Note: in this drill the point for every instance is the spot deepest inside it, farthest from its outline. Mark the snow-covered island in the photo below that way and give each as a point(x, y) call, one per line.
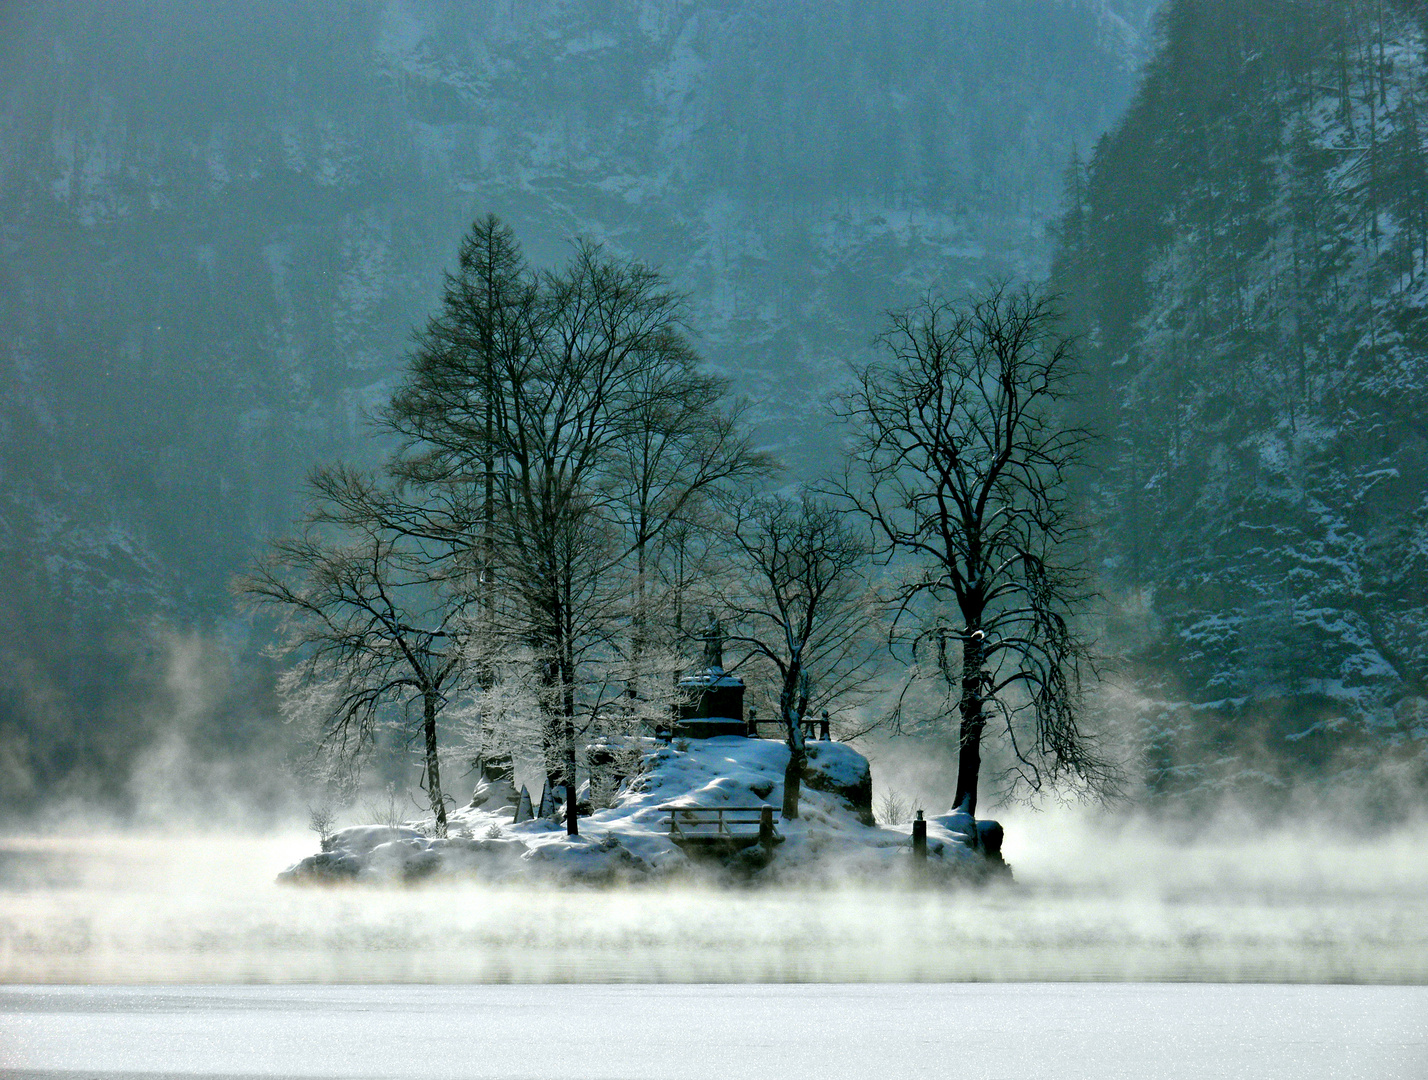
point(833, 840)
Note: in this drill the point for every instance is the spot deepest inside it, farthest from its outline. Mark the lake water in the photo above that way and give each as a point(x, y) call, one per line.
point(718, 1032)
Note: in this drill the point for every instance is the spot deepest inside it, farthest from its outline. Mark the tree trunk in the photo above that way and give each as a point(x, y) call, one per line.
point(969, 757)
point(637, 626)
point(552, 699)
point(433, 766)
point(793, 775)
point(572, 815)
point(797, 754)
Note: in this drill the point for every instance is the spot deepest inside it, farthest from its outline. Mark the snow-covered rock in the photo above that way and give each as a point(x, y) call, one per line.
point(494, 795)
point(362, 839)
point(837, 769)
point(832, 840)
point(323, 868)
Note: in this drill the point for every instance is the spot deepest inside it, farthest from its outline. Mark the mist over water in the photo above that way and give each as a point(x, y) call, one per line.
point(1091, 902)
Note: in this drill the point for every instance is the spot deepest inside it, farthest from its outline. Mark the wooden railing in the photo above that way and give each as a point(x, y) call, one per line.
point(813, 728)
point(721, 825)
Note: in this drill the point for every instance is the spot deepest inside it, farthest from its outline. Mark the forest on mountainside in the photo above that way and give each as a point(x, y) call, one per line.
point(221, 224)
point(1245, 259)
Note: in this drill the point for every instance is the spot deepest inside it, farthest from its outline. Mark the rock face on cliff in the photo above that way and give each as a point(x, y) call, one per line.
point(838, 769)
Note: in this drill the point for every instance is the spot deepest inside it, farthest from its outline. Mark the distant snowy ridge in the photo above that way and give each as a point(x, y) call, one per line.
point(222, 222)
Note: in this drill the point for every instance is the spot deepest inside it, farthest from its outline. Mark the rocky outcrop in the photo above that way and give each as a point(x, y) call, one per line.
point(833, 841)
point(401, 854)
point(837, 769)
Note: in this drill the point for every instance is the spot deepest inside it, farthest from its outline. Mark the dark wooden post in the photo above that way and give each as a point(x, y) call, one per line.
point(766, 827)
point(919, 838)
point(751, 725)
point(823, 727)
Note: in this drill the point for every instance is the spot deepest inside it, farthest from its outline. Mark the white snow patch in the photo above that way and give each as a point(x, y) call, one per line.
point(629, 841)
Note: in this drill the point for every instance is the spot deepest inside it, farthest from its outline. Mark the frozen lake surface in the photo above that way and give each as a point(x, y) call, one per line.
point(1134, 1031)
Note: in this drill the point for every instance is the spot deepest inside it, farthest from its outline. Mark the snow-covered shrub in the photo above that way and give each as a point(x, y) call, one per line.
point(893, 808)
point(384, 808)
point(320, 819)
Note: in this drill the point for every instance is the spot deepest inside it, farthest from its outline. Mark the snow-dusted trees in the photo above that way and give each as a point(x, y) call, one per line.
point(799, 602)
point(958, 464)
point(1246, 258)
point(366, 614)
point(559, 421)
point(556, 442)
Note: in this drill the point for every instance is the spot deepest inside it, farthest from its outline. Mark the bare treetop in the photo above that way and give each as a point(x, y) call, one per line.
point(959, 462)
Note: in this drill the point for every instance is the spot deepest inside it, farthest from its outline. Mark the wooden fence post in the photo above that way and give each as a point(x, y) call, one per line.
point(766, 832)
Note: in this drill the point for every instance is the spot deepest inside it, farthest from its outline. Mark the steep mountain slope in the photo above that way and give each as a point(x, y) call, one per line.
point(1248, 252)
point(220, 223)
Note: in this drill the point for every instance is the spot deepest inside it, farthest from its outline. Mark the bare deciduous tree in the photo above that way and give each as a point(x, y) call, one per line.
point(800, 604)
point(366, 615)
point(958, 463)
point(560, 422)
point(684, 445)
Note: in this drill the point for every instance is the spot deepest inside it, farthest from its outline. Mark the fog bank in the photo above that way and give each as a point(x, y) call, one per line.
point(1091, 902)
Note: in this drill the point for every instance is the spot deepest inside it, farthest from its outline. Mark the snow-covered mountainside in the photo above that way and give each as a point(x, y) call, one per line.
point(1249, 254)
point(220, 223)
point(833, 840)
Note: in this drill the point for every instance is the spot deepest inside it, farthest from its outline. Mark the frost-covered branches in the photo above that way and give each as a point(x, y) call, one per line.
point(559, 421)
point(366, 614)
point(801, 604)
